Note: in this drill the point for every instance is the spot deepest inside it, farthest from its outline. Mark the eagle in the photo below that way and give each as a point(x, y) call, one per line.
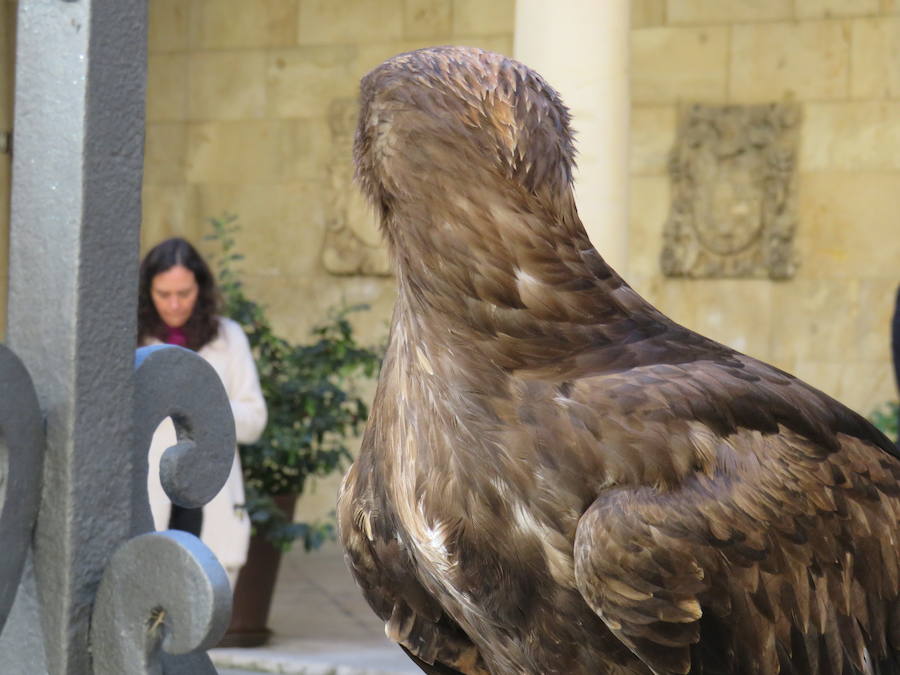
point(556, 478)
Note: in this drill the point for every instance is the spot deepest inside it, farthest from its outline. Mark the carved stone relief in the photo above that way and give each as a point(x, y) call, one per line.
point(353, 244)
point(732, 173)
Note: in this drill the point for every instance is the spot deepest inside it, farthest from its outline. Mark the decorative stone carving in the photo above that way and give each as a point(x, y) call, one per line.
point(353, 244)
point(732, 172)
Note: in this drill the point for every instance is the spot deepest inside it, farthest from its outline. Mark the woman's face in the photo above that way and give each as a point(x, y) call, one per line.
point(174, 294)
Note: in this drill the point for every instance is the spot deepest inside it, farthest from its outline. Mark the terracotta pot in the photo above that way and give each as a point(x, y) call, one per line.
point(255, 588)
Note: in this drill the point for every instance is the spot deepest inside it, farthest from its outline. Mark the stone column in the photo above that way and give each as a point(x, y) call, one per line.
point(99, 594)
point(581, 48)
point(77, 164)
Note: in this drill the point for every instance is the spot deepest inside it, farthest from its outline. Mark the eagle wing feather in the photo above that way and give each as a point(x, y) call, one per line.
point(767, 538)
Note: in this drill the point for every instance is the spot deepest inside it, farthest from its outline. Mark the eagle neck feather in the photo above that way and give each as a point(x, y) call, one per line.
point(483, 275)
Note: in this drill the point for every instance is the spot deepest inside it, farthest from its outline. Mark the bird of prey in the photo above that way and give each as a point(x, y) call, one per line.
point(556, 478)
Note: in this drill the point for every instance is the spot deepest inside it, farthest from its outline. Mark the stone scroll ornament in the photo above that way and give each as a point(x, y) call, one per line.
point(21, 464)
point(732, 171)
point(164, 598)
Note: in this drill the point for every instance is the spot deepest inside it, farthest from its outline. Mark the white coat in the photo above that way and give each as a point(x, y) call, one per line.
point(226, 527)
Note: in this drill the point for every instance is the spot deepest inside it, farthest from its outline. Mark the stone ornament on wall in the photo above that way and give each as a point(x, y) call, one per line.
point(353, 243)
point(732, 174)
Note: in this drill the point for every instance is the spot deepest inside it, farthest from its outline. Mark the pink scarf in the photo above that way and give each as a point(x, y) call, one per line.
point(175, 336)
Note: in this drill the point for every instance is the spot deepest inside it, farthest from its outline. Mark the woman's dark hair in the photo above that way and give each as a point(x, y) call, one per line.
point(203, 325)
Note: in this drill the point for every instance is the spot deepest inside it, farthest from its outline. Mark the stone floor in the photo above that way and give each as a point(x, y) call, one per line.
point(322, 626)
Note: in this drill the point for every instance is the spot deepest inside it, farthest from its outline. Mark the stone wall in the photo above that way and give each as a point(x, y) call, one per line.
point(839, 62)
point(251, 110)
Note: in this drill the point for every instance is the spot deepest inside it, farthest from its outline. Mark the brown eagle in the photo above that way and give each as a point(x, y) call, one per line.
point(557, 478)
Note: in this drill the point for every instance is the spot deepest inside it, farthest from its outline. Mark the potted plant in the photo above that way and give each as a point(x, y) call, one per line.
point(885, 417)
point(314, 410)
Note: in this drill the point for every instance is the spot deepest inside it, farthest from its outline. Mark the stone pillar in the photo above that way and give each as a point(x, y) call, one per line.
point(77, 166)
point(581, 48)
point(99, 595)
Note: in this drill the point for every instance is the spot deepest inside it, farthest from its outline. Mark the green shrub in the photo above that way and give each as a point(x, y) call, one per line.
point(310, 391)
point(885, 418)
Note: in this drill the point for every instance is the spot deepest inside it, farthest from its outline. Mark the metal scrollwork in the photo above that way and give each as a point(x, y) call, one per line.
point(21, 465)
point(175, 382)
point(161, 592)
point(164, 598)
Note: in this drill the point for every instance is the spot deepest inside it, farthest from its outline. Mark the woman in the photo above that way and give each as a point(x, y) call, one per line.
point(178, 303)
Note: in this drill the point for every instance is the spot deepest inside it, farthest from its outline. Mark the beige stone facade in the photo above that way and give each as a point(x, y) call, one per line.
point(839, 61)
point(251, 108)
